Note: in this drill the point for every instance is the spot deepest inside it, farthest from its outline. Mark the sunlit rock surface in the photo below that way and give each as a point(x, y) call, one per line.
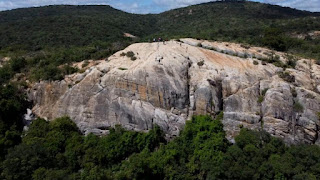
point(169, 83)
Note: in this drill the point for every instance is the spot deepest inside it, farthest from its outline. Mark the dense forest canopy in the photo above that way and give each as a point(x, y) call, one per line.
point(56, 150)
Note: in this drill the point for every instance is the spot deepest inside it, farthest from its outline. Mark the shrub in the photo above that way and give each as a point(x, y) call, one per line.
point(287, 77)
point(292, 61)
point(85, 64)
point(123, 54)
point(82, 71)
point(133, 58)
point(245, 46)
point(264, 91)
point(260, 99)
point(199, 45)
point(67, 69)
point(130, 54)
point(280, 64)
point(298, 107)
point(273, 38)
point(294, 92)
point(212, 49)
point(272, 57)
point(201, 63)
point(17, 63)
point(255, 62)
point(310, 96)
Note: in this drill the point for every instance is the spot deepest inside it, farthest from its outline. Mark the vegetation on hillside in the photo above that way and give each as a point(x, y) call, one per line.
point(13, 105)
point(56, 150)
point(245, 22)
point(50, 38)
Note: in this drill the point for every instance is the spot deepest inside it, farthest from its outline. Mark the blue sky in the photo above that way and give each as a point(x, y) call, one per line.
point(149, 6)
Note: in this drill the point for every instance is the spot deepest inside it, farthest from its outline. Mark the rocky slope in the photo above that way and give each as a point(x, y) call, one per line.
point(168, 83)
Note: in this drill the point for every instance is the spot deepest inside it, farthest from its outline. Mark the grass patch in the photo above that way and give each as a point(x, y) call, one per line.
point(260, 99)
point(263, 93)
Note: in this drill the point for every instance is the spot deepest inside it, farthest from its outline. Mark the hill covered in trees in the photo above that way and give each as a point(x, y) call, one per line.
point(47, 37)
point(37, 28)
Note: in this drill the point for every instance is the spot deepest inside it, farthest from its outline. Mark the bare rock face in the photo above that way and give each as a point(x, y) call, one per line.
point(169, 83)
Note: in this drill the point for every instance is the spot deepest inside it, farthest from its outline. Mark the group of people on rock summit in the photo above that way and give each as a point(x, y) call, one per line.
point(159, 40)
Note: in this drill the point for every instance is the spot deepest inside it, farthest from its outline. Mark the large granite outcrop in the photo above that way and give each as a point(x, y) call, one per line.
point(168, 83)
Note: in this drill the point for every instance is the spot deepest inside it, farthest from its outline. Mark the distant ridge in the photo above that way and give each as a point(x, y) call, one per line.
point(65, 33)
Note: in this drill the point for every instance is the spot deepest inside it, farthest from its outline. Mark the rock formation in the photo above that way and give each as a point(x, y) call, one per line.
point(168, 83)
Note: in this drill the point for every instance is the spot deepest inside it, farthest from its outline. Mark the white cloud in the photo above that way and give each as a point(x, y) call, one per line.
point(170, 4)
point(149, 6)
point(131, 7)
point(309, 5)
point(12, 4)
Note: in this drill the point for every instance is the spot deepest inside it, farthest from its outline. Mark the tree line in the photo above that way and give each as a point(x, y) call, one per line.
point(57, 150)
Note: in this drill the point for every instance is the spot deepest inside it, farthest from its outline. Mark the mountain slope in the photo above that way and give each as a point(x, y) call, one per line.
point(247, 22)
point(68, 25)
point(82, 25)
point(225, 15)
point(52, 37)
